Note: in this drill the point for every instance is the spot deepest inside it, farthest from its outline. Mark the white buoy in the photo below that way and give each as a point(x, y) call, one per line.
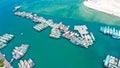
point(21, 33)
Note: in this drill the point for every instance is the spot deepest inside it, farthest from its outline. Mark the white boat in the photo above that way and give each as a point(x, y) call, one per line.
point(111, 62)
point(31, 63)
point(111, 31)
point(19, 52)
point(16, 8)
point(26, 64)
point(108, 30)
point(4, 39)
point(93, 38)
point(119, 33)
point(101, 29)
point(105, 30)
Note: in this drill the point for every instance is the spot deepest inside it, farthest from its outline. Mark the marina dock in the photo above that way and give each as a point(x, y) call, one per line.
point(84, 38)
point(87, 38)
point(55, 33)
point(5, 39)
point(111, 62)
point(113, 32)
point(40, 27)
point(26, 64)
point(19, 52)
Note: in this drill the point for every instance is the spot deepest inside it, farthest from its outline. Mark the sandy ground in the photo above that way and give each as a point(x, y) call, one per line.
point(7, 64)
point(110, 7)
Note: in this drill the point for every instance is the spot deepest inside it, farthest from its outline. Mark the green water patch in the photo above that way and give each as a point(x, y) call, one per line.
point(70, 9)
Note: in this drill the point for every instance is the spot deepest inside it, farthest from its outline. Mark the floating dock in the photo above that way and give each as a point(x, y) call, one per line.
point(113, 32)
point(40, 27)
point(60, 30)
point(5, 39)
point(55, 33)
point(19, 52)
point(111, 62)
point(26, 64)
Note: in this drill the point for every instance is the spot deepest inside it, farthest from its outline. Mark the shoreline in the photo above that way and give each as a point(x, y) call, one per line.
point(6, 63)
point(104, 7)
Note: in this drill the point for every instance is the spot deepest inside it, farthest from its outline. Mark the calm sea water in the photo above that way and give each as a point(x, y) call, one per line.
point(51, 53)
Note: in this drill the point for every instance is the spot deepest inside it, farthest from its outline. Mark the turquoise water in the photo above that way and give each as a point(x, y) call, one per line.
point(52, 53)
point(72, 9)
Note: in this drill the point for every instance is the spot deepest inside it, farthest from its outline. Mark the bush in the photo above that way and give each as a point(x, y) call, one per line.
point(1, 63)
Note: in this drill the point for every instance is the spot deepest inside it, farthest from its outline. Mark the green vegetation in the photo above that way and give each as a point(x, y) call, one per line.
point(1, 63)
